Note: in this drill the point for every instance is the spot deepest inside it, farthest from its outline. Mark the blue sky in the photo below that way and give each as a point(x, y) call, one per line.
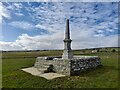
point(41, 25)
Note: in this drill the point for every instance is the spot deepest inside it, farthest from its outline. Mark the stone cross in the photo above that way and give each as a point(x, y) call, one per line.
point(67, 53)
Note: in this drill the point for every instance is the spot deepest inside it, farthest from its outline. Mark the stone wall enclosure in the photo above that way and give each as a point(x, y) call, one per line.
point(67, 66)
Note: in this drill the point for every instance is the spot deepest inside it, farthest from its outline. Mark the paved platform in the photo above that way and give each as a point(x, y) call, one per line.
point(34, 71)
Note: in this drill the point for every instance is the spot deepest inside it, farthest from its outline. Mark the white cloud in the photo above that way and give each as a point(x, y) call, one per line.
point(19, 14)
point(72, 0)
point(18, 5)
point(22, 24)
point(26, 42)
point(40, 26)
point(4, 12)
point(14, 6)
point(45, 27)
point(89, 24)
point(9, 46)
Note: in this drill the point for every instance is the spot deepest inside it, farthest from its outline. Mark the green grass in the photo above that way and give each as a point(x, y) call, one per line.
point(14, 77)
point(0, 78)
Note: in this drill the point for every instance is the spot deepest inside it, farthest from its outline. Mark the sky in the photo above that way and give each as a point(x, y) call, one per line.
point(41, 25)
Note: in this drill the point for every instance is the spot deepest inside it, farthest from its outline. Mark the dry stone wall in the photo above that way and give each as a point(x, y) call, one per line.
point(68, 67)
point(83, 63)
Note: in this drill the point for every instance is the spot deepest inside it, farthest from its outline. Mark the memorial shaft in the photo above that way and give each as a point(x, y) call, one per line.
point(67, 33)
point(67, 53)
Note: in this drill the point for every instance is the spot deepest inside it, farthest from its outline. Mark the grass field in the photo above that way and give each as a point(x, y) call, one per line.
point(14, 77)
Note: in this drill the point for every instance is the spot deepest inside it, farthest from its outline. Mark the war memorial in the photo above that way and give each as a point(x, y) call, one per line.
point(67, 64)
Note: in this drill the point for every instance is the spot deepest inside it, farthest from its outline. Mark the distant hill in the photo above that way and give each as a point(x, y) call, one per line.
point(100, 48)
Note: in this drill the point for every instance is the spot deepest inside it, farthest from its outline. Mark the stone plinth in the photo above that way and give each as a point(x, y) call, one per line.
point(67, 54)
point(67, 66)
point(61, 66)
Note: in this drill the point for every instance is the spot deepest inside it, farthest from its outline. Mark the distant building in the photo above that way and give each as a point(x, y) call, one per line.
point(94, 51)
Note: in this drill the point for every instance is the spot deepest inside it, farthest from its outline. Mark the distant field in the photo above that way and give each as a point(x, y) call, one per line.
point(14, 77)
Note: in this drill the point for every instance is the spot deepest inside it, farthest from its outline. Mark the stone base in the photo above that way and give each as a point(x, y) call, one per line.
point(61, 66)
point(67, 54)
point(67, 66)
